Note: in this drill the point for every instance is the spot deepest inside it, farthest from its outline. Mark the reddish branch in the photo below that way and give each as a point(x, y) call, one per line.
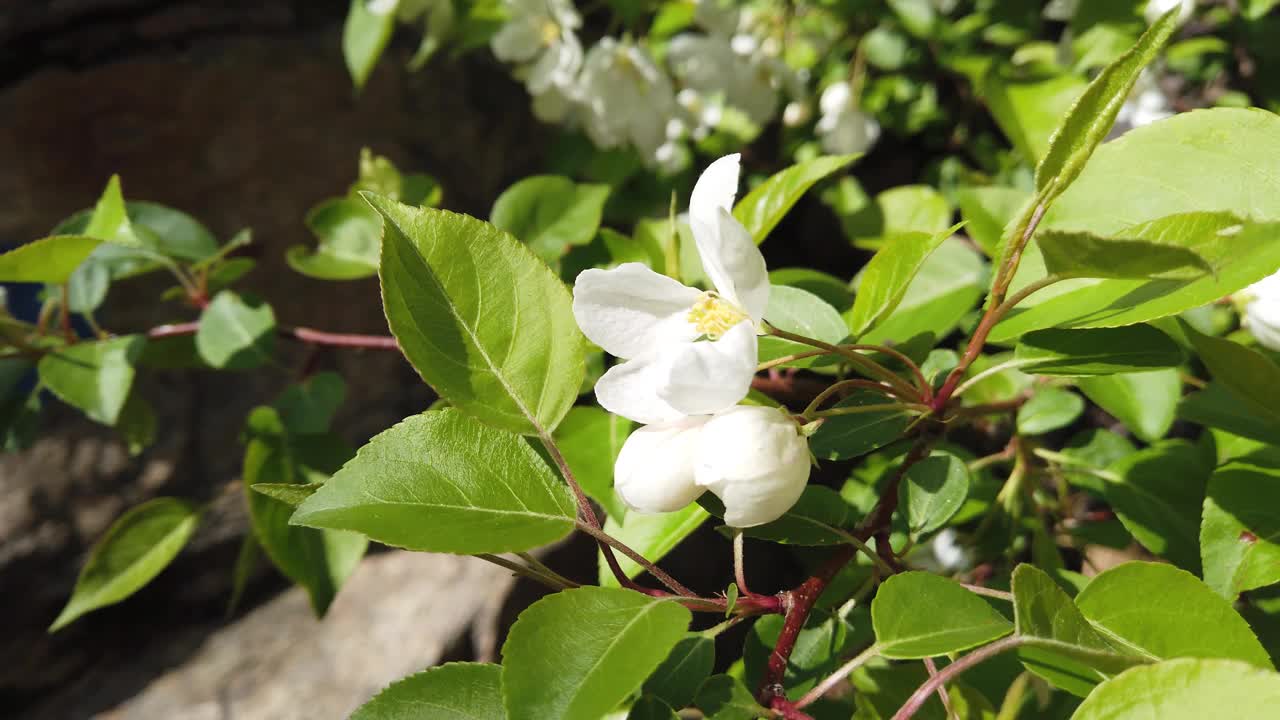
point(302, 334)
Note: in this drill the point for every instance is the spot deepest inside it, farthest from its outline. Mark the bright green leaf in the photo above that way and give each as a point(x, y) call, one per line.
point(765, 206)
point(605, 642)
point(1240, 536)
point(919, 615)
point(987, 211)
point(1162, 612)
point(350, 237)
point(291, 494)
point(1029, 111)
point(801, 312)
point(946, 288)
point(447, 692)
point(1049, 409)
point(139, 545)
point(1082, 255)
point(550, 213)
point(47, 260)
point(236, 332)
point(93, 376)
point(1097, 351)
point(590, 440)
point(933, 490)
point(444, 482)
point(364, 36)
point(1185, 689)
point(483, 321)
point(1145, 402)
point(832, 290)
point(886, 277)
point(653, 535)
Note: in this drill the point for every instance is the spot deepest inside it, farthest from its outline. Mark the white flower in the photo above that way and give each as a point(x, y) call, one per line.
point(1262, 311)
point(1156, 8)
point(688, 352)
point(796, 113)
point(843, 128)
point(626, 98)
point(727, 66)
point(753, 458)
point(1146, 104)
point(539, 35)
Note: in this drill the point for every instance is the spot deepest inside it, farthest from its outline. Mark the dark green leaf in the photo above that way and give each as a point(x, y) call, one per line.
point(817, 653)
point(1145, 402)
point(1162, 612)
point(918, 615)
point(93, 376)
point(307, 408)
point(1218, 407)
point(1049, 409)
point(677, 679)
point(605, 642)
point(765, 206)
point(454, 691)
point(808, 522)
point(1081, 255)
point(444, 482)
point(1097, 351)
point(139, 545)
point(1240, 537)
point(550, 213)
point(723, 697)
point(47, 260)
point(236, 332)
point(1157, 493)
point(487, 324)
point(649, 707)
point(847, 436)
point(1250, 376)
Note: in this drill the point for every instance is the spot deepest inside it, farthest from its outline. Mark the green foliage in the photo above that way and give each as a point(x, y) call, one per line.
point(606, 641)
point(1157, 493)
point(47, 260)
point(919, 615)
point(677, 679)
point(847, 436)
point(723, 697)
point(1145, 402)
point(763, 208)
point(445, 692)
point(137, 547)
point(236, 332)
point(1186, 689)
point(1240, 534)
point(479, 317)
point(444, 482)
point(550, 213)
point(933, 490)
point(799, 311)
point(653, 535)
point(1099, 351)
point(364, 36)
point(590, 440)
point(1048, 410)
point(94, 377)
point(887, 276)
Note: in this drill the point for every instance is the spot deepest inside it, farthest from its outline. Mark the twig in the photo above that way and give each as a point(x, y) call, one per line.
point(302, 334)
point(943, 697)
point(739, 573)
point(531, 573)
point(836, 677)
point(868, 366)
point(876, 407)
point(871, 385)
point(639, 559)
point(940, 680)
point(989, 592)
point(790, 358)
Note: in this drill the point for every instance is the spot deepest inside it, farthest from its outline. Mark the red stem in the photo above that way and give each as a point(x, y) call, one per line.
point(302, 334)
point(939, 681)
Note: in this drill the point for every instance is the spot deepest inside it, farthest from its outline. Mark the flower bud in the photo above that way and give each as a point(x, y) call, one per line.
point(755, 460)
point(1262, 313)
point(654, 470)
point(796, 113)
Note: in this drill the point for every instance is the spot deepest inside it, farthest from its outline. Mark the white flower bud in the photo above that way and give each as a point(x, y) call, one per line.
point(654, 470)
point(1156, 8)
point(755, 460)
point(796, 113)
point(1262, 313)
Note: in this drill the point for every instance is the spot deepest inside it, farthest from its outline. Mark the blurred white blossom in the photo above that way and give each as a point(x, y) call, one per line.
point(843, 128)
point(626, 99)
point(1146, 104)
point(1262, 311)
point(1156, 8)
point(539, 36)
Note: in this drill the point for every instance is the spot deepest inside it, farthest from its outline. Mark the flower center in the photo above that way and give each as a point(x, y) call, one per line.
point(712, 315)
point(550, 32)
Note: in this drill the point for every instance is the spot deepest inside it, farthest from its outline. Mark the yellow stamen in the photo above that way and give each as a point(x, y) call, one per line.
point(712, 316)
point(550, 32)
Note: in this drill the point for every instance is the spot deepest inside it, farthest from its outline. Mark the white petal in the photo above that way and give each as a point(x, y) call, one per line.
point(733, 262)
point(1262, 314)
point(715, 190)
point(631, 310)
point(706, 377)
point(630, 389)
point(654, 470)
point(517, 41)
point(755, 460)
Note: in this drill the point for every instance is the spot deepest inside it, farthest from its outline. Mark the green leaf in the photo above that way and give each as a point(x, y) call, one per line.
point(947, 286)
point(446, 692)
point(47, 260)
point(364, 36)
point(817, 653)
point(933, 490)
point(847, 436)
point(765, 206)
point(550, 213)
point(1240, 536)
point(1218, 407)
point(319, 561)
point(93, 376)
point(291, 494)
point(139, 545)
point(350, 238)
point(1097, 351)
point(590, 440)
point(307, 408)
point(236, 332)
point(1157, 494)
point(444, 482)
point(110, 219)
point(1083, 255)
point(483, 321)
point(1074, 656)
point(886, 277)
point(605, 642)
point(1029, 111)
point(1185, 690)
point(653, 535)
point(801, 312)
point(832, 290)
point(1049, 409)
point(137, 423)
point(919, 615)
point(1091, 116)
point(1249, 375)
point(1145, 402)
point(677, 679)
point(723, 697)
point(649, 707)
point(1094, 449)
point(1162, 612)
point(987, 211)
